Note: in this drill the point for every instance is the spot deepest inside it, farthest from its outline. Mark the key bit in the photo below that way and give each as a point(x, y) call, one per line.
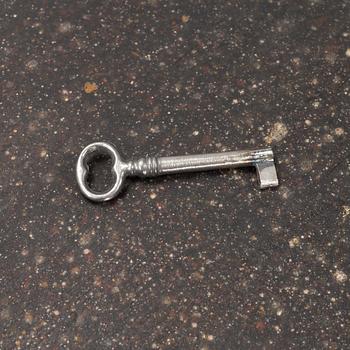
point(261, 159)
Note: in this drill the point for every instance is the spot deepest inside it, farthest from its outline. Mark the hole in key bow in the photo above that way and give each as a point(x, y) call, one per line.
point(100, 177)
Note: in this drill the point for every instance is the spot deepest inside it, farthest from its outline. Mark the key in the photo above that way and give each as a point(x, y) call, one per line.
point(261, 159)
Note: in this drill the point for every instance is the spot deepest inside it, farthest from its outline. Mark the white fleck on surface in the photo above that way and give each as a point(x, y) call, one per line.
point(65, 27)
point(153, 195)
point(340, 276)
point(277, 133)
point(316, 104)
point(294, 242)
point(339, 131)
point(32, 64)
point(346, 212)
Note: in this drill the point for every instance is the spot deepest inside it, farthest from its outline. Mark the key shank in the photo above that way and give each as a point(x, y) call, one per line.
point(262, 160)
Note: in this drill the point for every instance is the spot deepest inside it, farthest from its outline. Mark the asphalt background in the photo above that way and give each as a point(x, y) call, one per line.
point(195, 261)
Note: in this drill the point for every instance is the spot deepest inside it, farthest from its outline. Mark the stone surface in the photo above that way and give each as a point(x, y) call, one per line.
point(196, 261)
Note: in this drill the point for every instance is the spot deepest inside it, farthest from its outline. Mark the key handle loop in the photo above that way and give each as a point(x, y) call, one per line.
point(119, 169)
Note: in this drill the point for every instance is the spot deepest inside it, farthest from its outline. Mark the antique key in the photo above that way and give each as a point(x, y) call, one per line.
point(261, 159)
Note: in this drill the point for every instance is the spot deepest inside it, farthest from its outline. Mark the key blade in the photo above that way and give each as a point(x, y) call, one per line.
point(267, 174)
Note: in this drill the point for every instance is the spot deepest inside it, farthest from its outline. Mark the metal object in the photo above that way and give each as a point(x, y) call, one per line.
point(261, 159)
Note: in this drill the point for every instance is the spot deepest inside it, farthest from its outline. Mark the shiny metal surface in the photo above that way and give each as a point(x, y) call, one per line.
point(261, 159)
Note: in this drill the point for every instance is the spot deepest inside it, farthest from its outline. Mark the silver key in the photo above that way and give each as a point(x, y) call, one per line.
point(261, 159)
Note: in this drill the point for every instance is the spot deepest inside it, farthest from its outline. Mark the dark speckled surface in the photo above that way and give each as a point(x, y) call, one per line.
point(197, 261)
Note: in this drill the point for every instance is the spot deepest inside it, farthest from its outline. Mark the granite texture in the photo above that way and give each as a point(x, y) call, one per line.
point(195, 261)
